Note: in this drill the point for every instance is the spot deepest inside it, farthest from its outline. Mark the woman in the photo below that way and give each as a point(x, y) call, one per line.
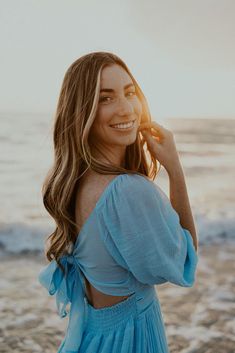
point(117, 233)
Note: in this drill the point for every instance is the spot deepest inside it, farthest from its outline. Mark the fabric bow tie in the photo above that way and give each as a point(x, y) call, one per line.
point(69, 288)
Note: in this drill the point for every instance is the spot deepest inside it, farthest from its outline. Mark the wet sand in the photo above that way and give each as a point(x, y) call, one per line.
point(198, 320)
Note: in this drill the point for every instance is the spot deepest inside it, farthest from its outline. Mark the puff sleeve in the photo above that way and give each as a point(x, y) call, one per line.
point(142, 231)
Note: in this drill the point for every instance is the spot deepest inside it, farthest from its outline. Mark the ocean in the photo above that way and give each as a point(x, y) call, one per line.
point(207, 152)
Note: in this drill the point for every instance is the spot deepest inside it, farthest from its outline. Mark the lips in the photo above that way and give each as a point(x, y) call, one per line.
point(126, 122)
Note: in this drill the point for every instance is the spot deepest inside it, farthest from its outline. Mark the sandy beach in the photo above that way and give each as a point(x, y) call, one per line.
point(198, 320)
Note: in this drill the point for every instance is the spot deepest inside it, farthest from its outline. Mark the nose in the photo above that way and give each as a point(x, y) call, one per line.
point(124, 107)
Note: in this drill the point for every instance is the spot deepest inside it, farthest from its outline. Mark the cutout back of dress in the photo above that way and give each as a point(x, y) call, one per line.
point(91, 187)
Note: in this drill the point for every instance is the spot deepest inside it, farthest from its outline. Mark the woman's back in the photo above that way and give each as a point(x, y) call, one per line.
point(91, 186)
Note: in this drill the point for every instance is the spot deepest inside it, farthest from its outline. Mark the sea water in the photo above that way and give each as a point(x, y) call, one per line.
point(207, 153)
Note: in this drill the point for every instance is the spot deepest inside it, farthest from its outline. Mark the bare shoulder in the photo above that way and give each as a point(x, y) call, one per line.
point(90, 188)
point(94, 184)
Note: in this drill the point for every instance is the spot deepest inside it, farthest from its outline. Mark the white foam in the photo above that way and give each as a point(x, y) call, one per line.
point(17, 238)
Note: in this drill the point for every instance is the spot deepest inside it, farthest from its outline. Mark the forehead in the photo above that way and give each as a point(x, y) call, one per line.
point(114, 75)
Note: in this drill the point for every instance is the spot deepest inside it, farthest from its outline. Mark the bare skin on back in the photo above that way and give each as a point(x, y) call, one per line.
point(91, 186)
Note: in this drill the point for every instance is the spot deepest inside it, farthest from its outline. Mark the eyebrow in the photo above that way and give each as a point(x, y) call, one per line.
point(112, 90)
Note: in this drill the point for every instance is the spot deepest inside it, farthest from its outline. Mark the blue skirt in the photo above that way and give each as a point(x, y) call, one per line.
point(134, 325)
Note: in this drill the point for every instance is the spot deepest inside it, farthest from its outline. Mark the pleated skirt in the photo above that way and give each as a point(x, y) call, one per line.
point(134, 325)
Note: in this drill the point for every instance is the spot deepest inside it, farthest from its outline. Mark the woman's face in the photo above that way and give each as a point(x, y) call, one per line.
point(118, 104)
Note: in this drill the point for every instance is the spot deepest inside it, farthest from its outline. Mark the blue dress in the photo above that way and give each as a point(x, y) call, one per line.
point(131, 241)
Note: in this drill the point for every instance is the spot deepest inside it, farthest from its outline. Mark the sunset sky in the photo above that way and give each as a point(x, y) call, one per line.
point(181, 52)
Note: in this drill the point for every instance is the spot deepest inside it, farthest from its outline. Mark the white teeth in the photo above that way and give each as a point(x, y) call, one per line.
point(123, 126)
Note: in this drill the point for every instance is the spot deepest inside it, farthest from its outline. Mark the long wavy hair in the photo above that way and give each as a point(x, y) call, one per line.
point(75, 114)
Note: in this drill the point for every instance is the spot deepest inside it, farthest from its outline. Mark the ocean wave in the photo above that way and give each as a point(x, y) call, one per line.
point(19, 238)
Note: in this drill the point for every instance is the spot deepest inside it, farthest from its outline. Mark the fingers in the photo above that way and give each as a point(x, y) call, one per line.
point(155, 129)
point(150, 124)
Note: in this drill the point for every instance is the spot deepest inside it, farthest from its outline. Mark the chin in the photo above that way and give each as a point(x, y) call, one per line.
point(129, 140)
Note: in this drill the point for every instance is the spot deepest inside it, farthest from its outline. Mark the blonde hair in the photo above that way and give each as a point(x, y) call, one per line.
point(75, 114)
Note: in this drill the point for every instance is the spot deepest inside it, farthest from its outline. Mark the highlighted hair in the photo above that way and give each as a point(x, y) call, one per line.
point(75, 114)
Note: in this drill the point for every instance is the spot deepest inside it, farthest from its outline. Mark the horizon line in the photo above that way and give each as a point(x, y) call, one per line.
point(193, 116)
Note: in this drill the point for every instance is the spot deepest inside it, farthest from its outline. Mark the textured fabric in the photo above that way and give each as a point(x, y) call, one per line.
point(133, 325)
point(131, 241)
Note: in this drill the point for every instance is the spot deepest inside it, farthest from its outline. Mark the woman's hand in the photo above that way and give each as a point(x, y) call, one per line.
point(161, 144)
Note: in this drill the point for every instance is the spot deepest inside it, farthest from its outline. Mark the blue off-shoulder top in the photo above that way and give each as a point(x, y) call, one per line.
point(132, 238)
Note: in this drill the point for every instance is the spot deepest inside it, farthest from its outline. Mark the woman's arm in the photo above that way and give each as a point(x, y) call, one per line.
point(180, 201)
point(161, 144)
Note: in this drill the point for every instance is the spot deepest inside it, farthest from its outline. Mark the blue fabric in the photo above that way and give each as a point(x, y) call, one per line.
point(131, 241)
point(69, 288)
point(144, 229)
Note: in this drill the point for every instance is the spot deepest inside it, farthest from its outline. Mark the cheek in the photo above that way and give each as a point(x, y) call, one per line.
point(101, 120)
point(138, 108)
point(104, 113)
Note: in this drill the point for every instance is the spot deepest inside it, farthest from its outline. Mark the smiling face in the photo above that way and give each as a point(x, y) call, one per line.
point(118, 104)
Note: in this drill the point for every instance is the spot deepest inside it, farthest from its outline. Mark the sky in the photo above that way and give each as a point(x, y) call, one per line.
point(182, 53)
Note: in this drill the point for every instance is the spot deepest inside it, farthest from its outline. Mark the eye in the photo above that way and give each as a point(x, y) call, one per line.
point(131, 93)
point(104, 99)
